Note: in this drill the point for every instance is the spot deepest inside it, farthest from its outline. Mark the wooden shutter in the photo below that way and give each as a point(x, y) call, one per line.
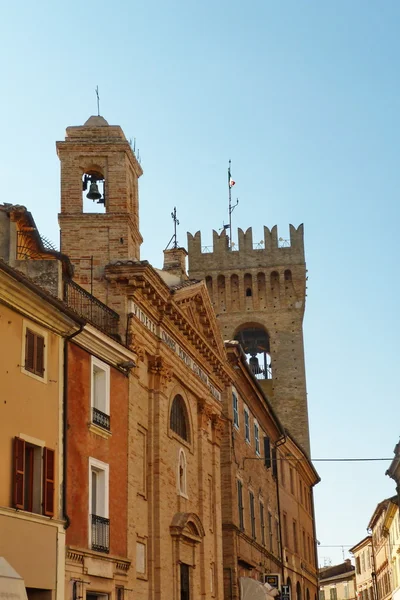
point(48, 482)
point(19, 473)
point(29, 350)
point(274, 463)
point(267, 452)
point(39, 362)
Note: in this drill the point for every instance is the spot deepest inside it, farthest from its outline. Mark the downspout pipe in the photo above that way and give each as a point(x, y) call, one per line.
point(67, 339)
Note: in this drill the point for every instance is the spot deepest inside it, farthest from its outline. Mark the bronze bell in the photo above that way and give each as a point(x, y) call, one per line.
point(93, 193)
point(254, 365)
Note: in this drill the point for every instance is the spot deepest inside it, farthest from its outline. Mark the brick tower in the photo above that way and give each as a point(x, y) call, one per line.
point(97, 162)
point(259, 298)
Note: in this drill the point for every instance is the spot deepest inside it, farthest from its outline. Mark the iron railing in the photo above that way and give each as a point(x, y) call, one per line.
point(101, 419)
point(90, 308)
point(100, 534)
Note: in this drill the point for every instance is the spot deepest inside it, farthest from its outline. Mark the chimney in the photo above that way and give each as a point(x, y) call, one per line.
point(175, 262)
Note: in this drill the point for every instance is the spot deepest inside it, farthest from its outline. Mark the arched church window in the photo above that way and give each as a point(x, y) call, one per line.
point(178, 421)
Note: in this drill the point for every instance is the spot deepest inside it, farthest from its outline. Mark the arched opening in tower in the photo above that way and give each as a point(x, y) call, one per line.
point(93, 191)
point(254, 340)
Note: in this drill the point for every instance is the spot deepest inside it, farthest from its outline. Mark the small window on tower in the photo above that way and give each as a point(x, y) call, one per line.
point(93, 192)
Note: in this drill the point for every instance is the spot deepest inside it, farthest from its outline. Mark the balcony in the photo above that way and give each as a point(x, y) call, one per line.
point(100, 534)
point(101, 419)
point(90, 308)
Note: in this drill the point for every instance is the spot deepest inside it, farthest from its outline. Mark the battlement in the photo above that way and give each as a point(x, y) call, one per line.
point(273, 251)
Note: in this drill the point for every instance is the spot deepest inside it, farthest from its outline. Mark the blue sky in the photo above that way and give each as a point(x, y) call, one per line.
point(304, 98)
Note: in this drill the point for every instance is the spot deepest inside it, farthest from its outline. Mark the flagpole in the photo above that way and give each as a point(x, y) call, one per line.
point(230, 204)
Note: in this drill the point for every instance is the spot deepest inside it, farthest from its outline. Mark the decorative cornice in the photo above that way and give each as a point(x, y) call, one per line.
point(158, 366)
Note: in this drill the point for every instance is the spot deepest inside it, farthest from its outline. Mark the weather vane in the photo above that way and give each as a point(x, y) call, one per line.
point(98, 100)
point(176, 222)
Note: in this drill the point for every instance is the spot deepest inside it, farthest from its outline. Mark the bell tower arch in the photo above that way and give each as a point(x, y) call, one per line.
point(259, 298)
point(99, 218)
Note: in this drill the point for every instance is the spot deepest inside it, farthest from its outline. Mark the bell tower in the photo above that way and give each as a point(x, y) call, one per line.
point(99, 218)
point(258, 293)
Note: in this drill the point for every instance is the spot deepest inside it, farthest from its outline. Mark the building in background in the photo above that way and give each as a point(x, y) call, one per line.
point(34, 329)
point(364, 560)
point(380, 549)
point(337, 582)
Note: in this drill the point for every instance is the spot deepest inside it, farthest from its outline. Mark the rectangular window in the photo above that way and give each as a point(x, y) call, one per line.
point(185, 582)
point(99, 523)
point(333, 593)
point(262, 523)
point(321, 594)
point(278, 537)
point(267, 452)
point(358, 565)
point(240, 504)
point(33, 478)
point(291, 480)
point(282, 462)
point(34, 352)
point(247, 424)
point(141, 559)
point(270, 532)
point(274, 463)
point(295, 544)
point(252, 516)
point(100, 393)
point(235, 405)
point(346, 590)
point(285, 531)
point(257, 438)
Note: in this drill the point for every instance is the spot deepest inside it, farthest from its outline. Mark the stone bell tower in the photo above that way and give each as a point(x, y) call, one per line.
point(99, 171)
point(258, 295)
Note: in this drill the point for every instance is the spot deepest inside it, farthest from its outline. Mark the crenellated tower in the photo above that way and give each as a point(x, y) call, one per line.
point(258, 293)
point(99, 218)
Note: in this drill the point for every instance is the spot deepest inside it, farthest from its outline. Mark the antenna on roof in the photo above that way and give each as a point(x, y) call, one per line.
point(98, 100)
point(176, 222)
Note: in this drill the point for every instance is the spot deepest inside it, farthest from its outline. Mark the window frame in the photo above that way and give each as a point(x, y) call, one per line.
point(104, 468)
point(256, 428)
point(247, 435)
point(173, 432)
point(235, 409)
point(98, 364)
point(38, 332)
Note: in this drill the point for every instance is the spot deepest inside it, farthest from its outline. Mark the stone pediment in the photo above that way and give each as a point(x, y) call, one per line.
point(195, 302)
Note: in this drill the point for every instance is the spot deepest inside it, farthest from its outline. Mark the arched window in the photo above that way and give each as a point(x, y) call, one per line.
point(179, 419)
point(298, 591)
point(182, 489)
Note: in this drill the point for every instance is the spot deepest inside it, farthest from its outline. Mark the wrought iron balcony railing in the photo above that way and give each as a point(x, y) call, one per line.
point(90, 308)
point(100, 534)
point(101, 419)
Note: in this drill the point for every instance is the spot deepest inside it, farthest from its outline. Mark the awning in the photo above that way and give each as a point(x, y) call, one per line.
point(250, 589)
point(12, 585)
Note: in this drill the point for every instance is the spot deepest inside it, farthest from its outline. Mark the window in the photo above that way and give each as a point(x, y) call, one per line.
point(100, 393)
point(179, 418)
point(247, 424)
point(285, 531)
point(333, 593)
point(274, 463)
point(295, 545)
point(141, 558)
point(185, 582)
point(34, 353)
point(235, 404)
point(291, 480)
point(240, 504)
point(262, 523)
point(278, 537)
point(257, 438)
point(33, 478)
point(99, 523)
point(321, 594)
point(346, 590)
point(267, 452)
point(270, 532)
point(358, 565)
point(182, 490)
point(252, 516)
